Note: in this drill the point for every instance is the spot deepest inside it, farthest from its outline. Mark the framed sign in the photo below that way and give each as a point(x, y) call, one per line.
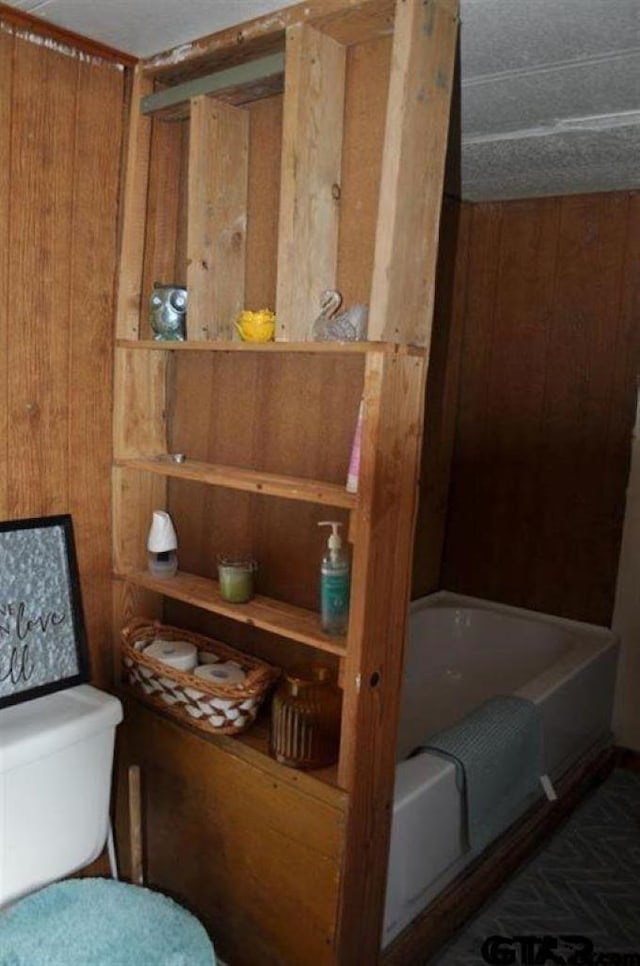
point(43, 644)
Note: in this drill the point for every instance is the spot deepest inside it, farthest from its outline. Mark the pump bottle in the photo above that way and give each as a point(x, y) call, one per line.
point(334, 583)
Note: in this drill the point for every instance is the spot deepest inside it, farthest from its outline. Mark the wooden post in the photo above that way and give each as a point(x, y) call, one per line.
point(134, 213)
point(394, 388)
point(401, 310)
point(310, 179)
point(420, 87)
point(139, 429)
point(135, 825)
point(217, 217)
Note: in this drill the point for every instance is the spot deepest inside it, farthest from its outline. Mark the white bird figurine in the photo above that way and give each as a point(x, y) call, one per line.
point(348, 326)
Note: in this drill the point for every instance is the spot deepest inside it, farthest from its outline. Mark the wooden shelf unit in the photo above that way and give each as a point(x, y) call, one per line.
point(265, 203)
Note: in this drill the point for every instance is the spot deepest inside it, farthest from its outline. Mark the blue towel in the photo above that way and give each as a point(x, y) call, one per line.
point(99, 922)
point(498, 753)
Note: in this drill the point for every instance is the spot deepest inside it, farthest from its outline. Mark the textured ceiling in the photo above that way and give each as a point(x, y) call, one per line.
point(550, 97)
point(550, 88)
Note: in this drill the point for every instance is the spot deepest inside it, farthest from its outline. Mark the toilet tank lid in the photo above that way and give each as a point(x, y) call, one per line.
point(37, 728)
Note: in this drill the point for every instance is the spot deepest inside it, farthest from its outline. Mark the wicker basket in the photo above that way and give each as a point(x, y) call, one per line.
point(221, 709)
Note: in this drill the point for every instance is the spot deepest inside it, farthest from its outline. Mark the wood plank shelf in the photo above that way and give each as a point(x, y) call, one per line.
point(252, 746)
point(275, 616)
point(252, 481)
point(311, 348)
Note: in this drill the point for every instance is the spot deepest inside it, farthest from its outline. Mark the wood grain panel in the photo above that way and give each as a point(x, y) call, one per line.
point(217, 222)
point(6, 93)
point(263, 202)
point(259, 858)
point(310, 177)
point(575, 527)
point(365, 112)
point(393, 405)
point(139, 416)
point(247, 411)
point(441, 397)
point(43, 134)
point(546, 405)
point(59, 176)
point(217, 423)
point(417, 123)
point(164, 257)
point(134, 207)
point(93, 259)
point(625, 379)
point(346, 21)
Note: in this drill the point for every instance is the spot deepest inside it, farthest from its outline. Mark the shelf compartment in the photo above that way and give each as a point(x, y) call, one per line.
point(294, 623)
point(251, 481)
point(252, 746)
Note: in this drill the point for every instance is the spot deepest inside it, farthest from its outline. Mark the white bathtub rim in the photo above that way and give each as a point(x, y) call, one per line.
point(452, 599)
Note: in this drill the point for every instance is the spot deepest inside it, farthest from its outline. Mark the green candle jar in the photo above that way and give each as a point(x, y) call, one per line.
point(236, 576)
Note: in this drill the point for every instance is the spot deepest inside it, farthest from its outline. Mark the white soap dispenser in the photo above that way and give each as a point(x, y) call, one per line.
point(334, 583)
point(162, 543)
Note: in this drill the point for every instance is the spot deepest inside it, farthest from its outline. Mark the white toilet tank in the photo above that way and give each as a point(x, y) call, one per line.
point(56, 756)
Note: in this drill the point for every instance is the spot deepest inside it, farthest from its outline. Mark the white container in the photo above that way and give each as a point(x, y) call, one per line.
point(56, 756)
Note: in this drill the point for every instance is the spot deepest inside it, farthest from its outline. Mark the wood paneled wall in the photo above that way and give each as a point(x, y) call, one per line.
point(546, 401)
point(441, 397)
point(61, 118)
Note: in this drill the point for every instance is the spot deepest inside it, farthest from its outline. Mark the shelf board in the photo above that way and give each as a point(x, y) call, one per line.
point(253, 747)
point(322, 348)
point(255, 741)
point(252, 481)
point(291, 622)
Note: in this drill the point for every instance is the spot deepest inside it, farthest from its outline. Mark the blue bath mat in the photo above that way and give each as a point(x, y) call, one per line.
point(100, 922)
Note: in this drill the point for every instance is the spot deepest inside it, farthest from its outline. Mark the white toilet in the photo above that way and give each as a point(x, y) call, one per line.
point(56, 756)
point(56, 759)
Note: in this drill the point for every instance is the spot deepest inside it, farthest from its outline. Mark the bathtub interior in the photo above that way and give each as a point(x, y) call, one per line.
point(470, 651)
point(461, 651)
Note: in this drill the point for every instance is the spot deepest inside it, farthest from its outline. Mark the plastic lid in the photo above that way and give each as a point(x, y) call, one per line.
point(45, 725)
point(162, 535)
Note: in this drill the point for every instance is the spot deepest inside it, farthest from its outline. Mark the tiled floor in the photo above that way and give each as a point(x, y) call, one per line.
point(584, 883)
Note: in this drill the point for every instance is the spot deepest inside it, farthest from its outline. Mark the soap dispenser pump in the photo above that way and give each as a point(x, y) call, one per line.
point(334, 583)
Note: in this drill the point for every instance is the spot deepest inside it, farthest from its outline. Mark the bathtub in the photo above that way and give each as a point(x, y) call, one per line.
point(461, 651)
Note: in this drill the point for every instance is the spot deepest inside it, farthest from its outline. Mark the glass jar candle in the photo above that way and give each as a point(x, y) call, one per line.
point(236, 577)
point(305, 718)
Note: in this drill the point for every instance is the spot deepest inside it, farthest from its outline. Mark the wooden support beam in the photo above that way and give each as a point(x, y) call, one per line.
point(263, 74)
point(401, 308)
point(347, 21)
point(134, 213)
point(139, 423)
point(421, 82)
point(217, 217)
point(310, 179)
point(384, 521)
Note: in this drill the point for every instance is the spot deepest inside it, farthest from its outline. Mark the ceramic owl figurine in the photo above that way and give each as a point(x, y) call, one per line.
point(168, 312)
